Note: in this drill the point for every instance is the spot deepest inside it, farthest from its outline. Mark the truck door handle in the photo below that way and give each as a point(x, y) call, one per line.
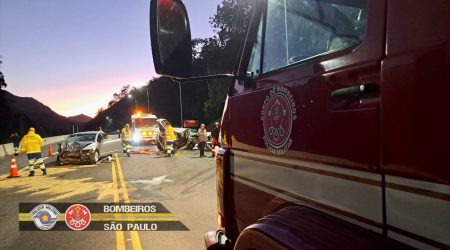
point(366, 90)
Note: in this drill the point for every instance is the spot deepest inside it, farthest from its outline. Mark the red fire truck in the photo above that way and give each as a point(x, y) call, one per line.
point(336, 129)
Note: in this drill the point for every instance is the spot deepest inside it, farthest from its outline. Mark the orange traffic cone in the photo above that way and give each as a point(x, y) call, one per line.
point(50, 150)
point(13, 172)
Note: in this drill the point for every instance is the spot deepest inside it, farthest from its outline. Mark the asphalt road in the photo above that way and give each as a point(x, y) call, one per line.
point(184, 184)
point(21, 160)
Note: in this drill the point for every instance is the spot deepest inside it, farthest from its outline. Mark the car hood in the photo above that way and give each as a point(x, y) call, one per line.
point(77, 146)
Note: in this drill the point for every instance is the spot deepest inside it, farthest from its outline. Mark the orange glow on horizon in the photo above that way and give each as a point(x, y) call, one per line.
point(81, 98)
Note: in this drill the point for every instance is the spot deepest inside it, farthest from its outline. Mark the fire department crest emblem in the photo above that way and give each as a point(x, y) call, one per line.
point(78, 217)
point(277, 115)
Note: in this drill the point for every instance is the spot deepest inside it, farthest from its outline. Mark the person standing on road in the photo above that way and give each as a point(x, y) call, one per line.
point(31, 145)
point(215, 138)
point(202, 137)
point(126, 139)
point(170, 139)
point(16, 142)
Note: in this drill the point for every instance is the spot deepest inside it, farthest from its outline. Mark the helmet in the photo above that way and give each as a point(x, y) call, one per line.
point(216, 123)
point(202, 125)
point(127, 125)
point(31, 129)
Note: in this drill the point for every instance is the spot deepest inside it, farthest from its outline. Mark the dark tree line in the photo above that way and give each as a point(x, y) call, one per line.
point(219, 54)
point(203, 100)
point(5, 112)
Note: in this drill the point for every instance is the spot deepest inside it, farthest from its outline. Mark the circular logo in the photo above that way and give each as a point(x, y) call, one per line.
point(78, 217)
point(45, 216)
point(277, 114)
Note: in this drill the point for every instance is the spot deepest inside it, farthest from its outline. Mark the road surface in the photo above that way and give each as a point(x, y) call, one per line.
point(184, 184)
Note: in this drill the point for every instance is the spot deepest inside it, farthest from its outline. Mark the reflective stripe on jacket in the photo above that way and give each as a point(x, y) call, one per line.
point(126, 134)
point(31, 142)
point(170, 133)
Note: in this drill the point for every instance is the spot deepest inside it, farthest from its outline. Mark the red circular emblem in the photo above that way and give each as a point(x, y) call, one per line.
point(277, 115)
point(77, 217)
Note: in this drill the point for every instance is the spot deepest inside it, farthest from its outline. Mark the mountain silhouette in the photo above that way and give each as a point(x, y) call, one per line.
point(27, 112)
point(81, 118)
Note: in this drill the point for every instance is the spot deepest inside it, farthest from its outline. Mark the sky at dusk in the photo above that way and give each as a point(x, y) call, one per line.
point(72, 55)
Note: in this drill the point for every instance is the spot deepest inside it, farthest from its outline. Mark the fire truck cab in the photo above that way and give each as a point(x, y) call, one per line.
point(336, 129)
point(144, 128)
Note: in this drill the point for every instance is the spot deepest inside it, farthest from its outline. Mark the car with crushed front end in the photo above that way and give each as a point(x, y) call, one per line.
point(87, 147)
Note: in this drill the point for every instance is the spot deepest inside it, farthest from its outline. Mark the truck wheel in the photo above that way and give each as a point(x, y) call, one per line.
point(94, 158)
point(253, 239)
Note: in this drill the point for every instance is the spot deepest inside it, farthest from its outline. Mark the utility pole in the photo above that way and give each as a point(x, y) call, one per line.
point(21, 124)
point(135, 101)
point(148, 102)
point(181, 105)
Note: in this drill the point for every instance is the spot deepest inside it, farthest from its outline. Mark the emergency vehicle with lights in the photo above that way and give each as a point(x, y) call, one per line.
point(335, 132)
point(144, 128)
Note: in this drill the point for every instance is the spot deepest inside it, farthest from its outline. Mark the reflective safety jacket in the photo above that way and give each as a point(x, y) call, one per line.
point(170, 133)
point(126, 134)
point(31, 143)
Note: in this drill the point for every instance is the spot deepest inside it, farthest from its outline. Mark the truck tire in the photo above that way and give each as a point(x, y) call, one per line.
point(253, 239)
point(94, 158)
point(304, 228)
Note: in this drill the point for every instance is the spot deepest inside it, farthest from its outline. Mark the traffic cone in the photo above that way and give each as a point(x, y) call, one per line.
point(13, 172)
point(50, 150)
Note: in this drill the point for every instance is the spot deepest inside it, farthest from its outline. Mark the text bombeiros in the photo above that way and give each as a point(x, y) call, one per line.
point(129, 208)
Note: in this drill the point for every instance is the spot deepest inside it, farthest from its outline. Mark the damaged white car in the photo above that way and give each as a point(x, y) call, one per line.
point(87, 147)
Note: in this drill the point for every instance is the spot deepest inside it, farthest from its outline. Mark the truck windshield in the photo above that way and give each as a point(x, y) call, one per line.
point(296, 30)
point(144, 122)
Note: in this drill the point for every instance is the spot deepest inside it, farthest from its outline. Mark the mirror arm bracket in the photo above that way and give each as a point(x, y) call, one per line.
point(203, 78)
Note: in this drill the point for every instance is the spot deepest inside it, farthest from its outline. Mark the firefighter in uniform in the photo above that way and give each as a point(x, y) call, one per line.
point(126, 139)
point(170, 139)
point(31, 145)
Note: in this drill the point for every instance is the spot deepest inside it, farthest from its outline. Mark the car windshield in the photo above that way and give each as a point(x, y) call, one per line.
point(81, 137)
point(144, 122)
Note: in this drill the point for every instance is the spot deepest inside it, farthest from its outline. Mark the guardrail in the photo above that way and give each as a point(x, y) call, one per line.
point(8, 149)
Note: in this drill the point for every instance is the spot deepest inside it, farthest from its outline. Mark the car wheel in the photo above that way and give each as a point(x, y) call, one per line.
point(94, 157)
point(190, 145)
point(160, 146)
point(58, 161)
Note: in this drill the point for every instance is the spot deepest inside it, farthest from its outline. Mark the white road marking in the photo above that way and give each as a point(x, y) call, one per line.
point(154, 181)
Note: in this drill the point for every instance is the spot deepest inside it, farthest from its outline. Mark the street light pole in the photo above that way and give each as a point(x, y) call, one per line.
point(135, 101)
point(148, 102)
point(181, 105)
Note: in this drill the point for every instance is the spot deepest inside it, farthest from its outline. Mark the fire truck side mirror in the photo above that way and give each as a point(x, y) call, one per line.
point(170, 35)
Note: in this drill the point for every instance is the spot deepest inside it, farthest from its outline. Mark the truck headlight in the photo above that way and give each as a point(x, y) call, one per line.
point(136, 137)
